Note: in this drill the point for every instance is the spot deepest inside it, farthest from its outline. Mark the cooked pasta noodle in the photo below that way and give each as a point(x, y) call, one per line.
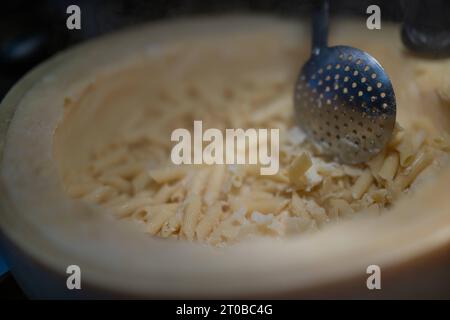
point(192, 213)
point(389, 167)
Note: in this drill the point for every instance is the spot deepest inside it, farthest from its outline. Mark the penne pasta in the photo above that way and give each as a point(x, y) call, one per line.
point(390, 166)
point(116, 182)
point(376, 163)
point(211, 218)
point(362, 184)
point(164, 194)
point(198, 182)
point(110, 160)
point(127, 171)
point(100, 195)
point(159, 215)
point(215, 184)
point(140, 182)
point(168, 174)
point(192, 213)
point(422, 160)
point(407, 150)
point(171, 226)
point(127, 208)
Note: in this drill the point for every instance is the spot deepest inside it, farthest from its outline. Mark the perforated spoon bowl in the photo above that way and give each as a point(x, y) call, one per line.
point(344, 100)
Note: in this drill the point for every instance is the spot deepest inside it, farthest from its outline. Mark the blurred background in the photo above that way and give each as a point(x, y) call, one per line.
point(32, 31)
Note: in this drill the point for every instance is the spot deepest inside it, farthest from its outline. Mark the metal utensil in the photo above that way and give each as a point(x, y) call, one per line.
point(344, 100)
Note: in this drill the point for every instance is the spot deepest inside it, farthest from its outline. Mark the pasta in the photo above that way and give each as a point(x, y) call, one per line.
point(159, 215)
point(168, 174)
point(206, 225)
point(140, 181)
point(422, 160)
point(214, 186)
point(133, 177)
point(389, 167)
point(191, 216)
point(362, 184)
point(100, 194)
point(117, 182)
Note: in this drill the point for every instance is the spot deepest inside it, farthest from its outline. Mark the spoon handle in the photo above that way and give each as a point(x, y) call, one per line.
point(320, 26)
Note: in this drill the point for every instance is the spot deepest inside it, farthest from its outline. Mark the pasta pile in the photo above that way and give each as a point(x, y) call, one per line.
point(134, 179)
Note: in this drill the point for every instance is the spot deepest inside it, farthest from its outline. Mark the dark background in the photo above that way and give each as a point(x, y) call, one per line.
point(31, 31)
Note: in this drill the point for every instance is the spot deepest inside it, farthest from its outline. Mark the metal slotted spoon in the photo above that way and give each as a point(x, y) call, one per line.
point(343, 98)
